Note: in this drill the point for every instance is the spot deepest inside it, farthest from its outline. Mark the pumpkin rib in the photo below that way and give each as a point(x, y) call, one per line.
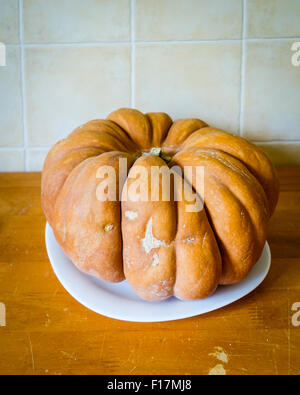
point(135, 123)
point(71, 179)
point(69, 147)
point(197, 254)
point(130, 140)
point(54, 178)
point(109, 127)
point(192, 142)
point(100, 226)
point(254, 159)
point(234, 165)
point(66, 146)
point(50, 168)
point(232, 270)
point(195, 135)
point(262, 198)
point(205, 264)
point(148, 230)
point(160, 125)
point(108, 142)
point(181, 130)
point(234, 190)
point(66, 154)
point(84, 137)
point(216, 250)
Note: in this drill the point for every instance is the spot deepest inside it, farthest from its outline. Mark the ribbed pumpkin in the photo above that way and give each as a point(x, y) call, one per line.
point(161, 248)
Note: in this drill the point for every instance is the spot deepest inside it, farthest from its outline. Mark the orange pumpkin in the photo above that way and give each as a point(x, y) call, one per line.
point(160, 247)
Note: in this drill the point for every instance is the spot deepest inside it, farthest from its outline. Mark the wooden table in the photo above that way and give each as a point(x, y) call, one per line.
point(48, 332)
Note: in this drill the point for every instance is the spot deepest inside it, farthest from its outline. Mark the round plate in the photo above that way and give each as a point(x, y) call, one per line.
point(120, 302)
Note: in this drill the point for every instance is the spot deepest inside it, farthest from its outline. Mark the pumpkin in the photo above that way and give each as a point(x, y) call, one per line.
point(161, 248)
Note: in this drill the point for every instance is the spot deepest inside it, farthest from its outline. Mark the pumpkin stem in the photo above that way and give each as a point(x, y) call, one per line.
point(165, 157)
point(157, 151)
point(154, 151)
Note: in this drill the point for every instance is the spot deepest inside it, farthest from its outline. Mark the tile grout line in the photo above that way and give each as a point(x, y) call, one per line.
point(47, 147)
point(20, 147)
point(276, 142)
point(243, 69)
point(76, 44)
point(215, 40)
point(11, 149)
point(287, 38)
point(23, 94)
point(132, 41)
point(143, 42)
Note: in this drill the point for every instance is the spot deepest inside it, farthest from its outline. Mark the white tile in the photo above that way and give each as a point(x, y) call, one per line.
point(191, 80)
point(272, 92)
point(9, 21)
point(76, 20)
point(187, 19)
point(284, 154)
point(273, 18)
point(11, 160)
point(67, 86)
point(36, 158)
point(11, 124)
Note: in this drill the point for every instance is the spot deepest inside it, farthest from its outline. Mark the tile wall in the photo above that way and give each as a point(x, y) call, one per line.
point(229, 62)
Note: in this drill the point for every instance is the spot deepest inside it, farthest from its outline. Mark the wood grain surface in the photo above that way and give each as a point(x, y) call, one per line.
point(48, 332)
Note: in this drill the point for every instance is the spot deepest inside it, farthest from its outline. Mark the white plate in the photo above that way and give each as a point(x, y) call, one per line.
point(120, 302)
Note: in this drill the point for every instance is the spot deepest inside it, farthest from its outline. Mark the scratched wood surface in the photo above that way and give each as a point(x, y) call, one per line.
point(47, 332)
